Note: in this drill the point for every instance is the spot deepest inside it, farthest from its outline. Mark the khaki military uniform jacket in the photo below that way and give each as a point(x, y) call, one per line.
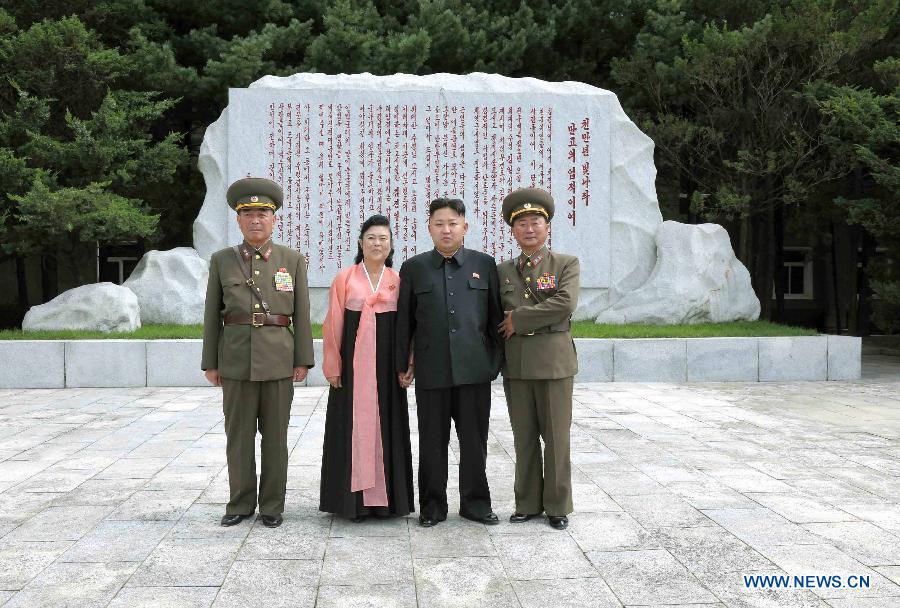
point(244, 352)
point(542, 297)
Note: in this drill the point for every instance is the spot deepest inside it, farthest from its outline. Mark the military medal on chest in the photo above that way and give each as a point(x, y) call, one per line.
point(546, 281)
point(283, 280)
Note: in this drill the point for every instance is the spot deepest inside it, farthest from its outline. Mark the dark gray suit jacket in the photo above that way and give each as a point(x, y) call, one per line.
point(450, 312)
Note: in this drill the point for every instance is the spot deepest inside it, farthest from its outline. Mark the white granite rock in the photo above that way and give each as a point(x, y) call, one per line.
point(697, 279)
point(99, 306)
point(170, 286)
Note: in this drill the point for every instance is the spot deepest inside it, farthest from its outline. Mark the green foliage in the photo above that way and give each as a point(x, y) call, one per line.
point(81, 154)
point(66, 218)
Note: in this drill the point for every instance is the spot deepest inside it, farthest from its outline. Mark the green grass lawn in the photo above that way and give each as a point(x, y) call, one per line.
point(580, 329)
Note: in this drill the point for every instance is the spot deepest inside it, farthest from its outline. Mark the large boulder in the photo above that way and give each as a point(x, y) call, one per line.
point(100, 306)
point(170, 286)
point(697, 279)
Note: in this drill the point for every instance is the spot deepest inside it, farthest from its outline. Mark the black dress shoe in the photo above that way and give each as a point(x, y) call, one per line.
point(271, 521)
point(490, 519)
point(560, 523)
point(428, 522)
point(520, 518)
point(233, 520)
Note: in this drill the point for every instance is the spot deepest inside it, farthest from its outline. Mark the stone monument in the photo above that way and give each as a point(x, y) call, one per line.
point(344, 147)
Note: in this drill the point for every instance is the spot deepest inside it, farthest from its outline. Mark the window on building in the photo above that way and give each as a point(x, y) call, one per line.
point(798, 266)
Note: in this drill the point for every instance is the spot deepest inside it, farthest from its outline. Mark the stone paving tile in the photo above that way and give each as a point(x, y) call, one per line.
point(164, 597)
point(710, 549)
point(187, 562)
point(542, 556)
point(59, 523)
point(566, 593)
point(800, 508)
point(156, 505)
point(452, 538)
point(297, 538)
point(21, 561)
point(679, 490)
point(760, 527)
point(119, 541)
point(640, 577)
point(456, 582)
point(367, 561)
point(861, 540)
point(663, 510)
point(608, 532)
point(82, 585)
point(397, 595)
point(270, 584)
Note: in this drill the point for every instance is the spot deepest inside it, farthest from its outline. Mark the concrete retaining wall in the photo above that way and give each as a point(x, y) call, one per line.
point(125, 363)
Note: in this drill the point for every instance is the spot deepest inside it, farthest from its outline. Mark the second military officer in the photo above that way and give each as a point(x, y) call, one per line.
point(539, 292)
point(257, 341)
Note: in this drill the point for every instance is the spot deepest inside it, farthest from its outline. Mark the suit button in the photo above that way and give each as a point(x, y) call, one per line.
point(255, 272)
point(452, 331)
point(451, 293)
point(452, 312)
point(450, 276)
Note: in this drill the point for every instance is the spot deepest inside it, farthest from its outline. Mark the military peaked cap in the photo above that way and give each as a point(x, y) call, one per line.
point(527, 200)
point(254, 192)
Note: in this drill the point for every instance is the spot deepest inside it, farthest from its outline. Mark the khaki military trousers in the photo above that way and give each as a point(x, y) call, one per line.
point(541, 409)
point(249, 406)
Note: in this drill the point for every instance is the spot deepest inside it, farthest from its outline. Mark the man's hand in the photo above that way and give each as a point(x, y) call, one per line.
point(212, 376)
point(506, 327)
point(407, 378)
point(334, 381)
point(300, 373)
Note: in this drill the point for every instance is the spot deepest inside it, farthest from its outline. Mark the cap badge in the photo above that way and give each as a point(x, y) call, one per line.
point(527, 205)
point(254, 199)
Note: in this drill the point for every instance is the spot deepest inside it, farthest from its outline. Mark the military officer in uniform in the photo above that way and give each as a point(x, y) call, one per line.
point(257, 341)
point(539, 293)
point(448, 313)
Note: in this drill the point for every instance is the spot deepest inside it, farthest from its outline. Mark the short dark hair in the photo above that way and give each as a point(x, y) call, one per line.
point(375, 220)
point(451, 203)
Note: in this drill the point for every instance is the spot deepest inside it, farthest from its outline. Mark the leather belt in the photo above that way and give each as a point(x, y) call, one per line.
point(550, 329)
point(257, 319)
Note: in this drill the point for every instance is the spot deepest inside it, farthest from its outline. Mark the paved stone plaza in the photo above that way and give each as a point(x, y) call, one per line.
point(112, 498)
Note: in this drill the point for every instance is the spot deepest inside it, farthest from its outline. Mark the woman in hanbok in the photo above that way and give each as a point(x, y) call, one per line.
point(366, 458)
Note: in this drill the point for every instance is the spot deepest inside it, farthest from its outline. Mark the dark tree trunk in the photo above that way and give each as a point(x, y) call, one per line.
point(49, 278)
point(864, 310)
point(778, 268)
point(22, 284)
point(835, 286)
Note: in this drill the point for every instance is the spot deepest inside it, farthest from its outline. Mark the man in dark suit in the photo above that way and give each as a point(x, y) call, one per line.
point(448, 313)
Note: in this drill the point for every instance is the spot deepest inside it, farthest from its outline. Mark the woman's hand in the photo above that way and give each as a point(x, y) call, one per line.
point(406, 379)
point(334, 381)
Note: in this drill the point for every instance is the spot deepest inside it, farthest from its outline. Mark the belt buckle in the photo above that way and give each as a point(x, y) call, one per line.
point(261, 316)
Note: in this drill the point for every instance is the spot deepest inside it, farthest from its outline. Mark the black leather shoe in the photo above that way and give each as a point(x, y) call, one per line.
point(233, 520)
point(427, 522)
point(520, 518)
point(490, 519)
point(271, 521)
point(559, 523)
